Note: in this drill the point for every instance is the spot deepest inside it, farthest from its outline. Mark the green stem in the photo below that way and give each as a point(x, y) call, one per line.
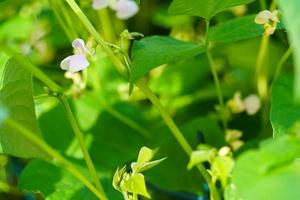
point(61, 161)
point(281, 62)
point(215, 75)
point(261, 71)
point(81, 141)
point(129, 122)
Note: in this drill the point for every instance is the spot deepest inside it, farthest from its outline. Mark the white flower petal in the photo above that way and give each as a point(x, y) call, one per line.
point(100, 4)
point(275, 16)
point(252, 104)
point(65, 64)
point(126, 9)
point(263, 17)
point(79, 46)
point(75, 63)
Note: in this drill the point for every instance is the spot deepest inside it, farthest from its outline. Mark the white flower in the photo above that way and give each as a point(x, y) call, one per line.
point(100, 4)
point(126, 9)
point(269, 20)
point(78, 61)
point(252, 104)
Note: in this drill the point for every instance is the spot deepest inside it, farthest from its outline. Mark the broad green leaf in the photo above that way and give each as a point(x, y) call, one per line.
point(136, 184)
point(154, 51)
point(16, 96)
point(271, 172)
point(57, 184)
point(203, 8)
point(237, 29)
point(284, 111)
point(290, 12)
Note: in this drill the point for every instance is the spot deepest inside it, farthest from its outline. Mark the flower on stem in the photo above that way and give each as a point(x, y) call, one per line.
point(125, 9)
point(269, 20)
point(251, 104)
point(78, 61)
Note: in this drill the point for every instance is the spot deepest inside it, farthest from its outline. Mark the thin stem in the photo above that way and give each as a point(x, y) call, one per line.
point(281, 62)
point(215, 74)
point(61, 161)
point(126, 120)
point(261, 73)
point(81, 141)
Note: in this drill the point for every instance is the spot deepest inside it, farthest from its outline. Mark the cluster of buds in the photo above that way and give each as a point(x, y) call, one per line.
point(125, 9)
point(269, 20)
point(233, 138)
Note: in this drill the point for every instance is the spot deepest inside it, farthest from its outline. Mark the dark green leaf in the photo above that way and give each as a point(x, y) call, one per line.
point(154, 51)
point(206, 8)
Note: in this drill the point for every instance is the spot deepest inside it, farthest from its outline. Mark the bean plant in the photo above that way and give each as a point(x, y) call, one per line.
point(149, 99)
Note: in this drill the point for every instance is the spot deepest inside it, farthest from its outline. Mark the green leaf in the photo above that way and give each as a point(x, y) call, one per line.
point(16, 97)
point(237, 29)
point(3, 115)
point(154, 51)
point(57, 184)
point(271, 172)
point(206, 8)
point(145, 155)
point(290, 11)
point(222, 167)
point(136, 184)
point(284, 111)
point(200, 156)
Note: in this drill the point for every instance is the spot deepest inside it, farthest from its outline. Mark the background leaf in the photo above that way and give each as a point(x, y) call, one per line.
point(284, 111)
point(206, 8)
point(154, 51)
point(290, 12)
point(270, 172)
point(16, 97)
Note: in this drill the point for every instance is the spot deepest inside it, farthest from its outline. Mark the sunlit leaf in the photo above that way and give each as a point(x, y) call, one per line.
point(136, 184)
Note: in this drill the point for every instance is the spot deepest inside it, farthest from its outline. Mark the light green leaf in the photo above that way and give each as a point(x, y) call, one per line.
point(271, 172)
point(3, 115)
point(57, 184)
point(200, 156)
point(284, 111)
point(237, 29)
point(222, 167)
point(16, 97)
point(290, 12)
point(154, 51)
point(136, 184)
point(203, 8)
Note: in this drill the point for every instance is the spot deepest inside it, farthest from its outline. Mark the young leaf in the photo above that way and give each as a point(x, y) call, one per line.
point(16, 97)
point(200, 156)
point(271, 172)
point(136, 184)
point(154, 51)
point(237, 29)
point(206, 8)
point(290, 11)
point(284, 111)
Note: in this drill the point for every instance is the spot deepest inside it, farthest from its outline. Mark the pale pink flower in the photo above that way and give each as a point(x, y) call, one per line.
point(126, 9)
